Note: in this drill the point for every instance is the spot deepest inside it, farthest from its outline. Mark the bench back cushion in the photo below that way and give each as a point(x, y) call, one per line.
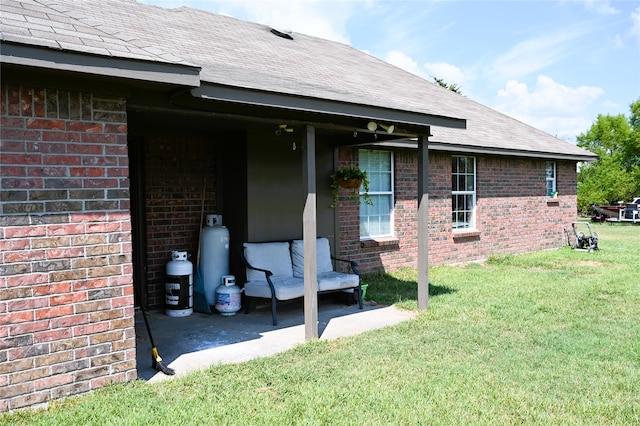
point(323, 254)
point(274, 257)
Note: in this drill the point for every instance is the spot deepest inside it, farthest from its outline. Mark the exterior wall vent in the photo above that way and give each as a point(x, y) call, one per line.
point(282, 33)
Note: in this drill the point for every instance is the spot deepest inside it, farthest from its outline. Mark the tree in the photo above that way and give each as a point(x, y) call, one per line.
point(453, 87)
point(616, 175)
point(633, 147)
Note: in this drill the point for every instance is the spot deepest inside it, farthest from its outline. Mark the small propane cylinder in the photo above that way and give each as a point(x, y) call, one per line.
point(179, 285)
point(228, 296)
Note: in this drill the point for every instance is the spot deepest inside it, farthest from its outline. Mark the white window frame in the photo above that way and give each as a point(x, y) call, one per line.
point(374, 194)
point(468, 212)
point(551, 177)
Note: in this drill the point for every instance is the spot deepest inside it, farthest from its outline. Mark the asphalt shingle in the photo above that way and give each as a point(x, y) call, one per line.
point(247, 55)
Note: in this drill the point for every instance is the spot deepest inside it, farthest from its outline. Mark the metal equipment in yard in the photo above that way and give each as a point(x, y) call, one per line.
point(584, 238)
point(616, 214)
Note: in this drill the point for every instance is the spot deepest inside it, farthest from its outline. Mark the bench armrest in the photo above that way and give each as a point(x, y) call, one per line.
point(240, 251)
point(352, 263)
point(267, 272)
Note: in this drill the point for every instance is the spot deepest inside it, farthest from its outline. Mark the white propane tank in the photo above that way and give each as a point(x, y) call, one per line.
point(228, 296)
point(179, 285)
point(214, 256)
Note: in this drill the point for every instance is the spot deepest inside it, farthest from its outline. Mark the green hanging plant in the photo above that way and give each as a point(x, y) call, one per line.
point(351, 178)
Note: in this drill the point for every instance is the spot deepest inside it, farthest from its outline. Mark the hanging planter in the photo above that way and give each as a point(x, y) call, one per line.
point(350, 178)
point(352, 183)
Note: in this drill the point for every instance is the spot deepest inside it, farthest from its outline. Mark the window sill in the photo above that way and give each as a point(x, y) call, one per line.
point(465, 234)
point(380, 242)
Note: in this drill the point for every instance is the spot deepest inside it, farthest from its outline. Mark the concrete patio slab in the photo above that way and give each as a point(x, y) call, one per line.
point(201, 340)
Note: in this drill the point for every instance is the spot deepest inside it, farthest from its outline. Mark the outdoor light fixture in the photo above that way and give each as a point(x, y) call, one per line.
point(389, 129)
point(372, 126)
point(285, 128)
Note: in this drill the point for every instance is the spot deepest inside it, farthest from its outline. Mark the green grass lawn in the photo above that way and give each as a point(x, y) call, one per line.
point(550, 337)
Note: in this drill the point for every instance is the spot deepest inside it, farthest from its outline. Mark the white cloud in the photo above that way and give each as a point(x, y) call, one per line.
point(531, 56)
point(610, 105)
point(451, 74)
point(525, 58)
point(550, 106)
point(601, 7)
point(311, 17)
point(617, 42)
point(400, 60)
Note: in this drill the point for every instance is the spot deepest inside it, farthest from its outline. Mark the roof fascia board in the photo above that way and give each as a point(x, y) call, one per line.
point(436, 146)
point(443, 147)
point(64, 80)
point(46, 58)
point(322, 106)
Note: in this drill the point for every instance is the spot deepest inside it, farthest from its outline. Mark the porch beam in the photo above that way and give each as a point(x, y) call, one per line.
point(309, 232)
point(314, 106)
point(423, 222)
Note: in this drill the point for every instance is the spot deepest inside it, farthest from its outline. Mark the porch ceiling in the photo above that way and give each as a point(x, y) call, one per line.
point(197, 115)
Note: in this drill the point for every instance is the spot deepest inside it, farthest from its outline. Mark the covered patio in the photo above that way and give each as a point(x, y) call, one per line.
point(265, 182)
point(200, 340)
point(248, 123)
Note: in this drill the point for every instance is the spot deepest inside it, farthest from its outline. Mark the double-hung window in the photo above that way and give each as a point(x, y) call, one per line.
point(551, 178)
point(463, 191)
point(377, 220)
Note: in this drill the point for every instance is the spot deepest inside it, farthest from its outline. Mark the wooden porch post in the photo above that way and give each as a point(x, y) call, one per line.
point(309, 234)
point(423, 222)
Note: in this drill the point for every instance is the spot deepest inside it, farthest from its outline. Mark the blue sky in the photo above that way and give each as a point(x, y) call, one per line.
point(554, 64)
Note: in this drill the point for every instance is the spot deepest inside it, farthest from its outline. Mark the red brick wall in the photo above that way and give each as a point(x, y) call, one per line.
point(66, 293)
point(177, 169)
point(513, 213)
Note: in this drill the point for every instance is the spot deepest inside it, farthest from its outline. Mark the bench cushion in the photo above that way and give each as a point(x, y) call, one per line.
point(323, 256)
point(286, 288)
point(274, 257)
point(336, 281)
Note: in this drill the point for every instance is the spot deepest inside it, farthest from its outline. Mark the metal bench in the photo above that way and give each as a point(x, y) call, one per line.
point(275, 270)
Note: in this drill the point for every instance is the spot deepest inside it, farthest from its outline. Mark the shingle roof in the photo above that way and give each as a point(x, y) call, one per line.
point(493, 132)
point(89, 27)
point(247, 55)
